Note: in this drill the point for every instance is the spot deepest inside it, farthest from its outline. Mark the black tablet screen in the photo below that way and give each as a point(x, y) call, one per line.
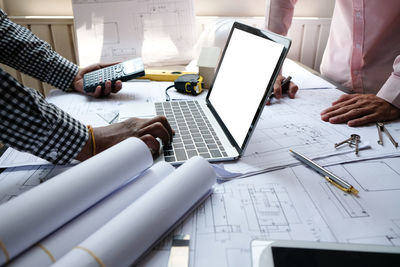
point(299, 257)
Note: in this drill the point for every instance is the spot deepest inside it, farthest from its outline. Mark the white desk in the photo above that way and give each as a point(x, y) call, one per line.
point(293, 202)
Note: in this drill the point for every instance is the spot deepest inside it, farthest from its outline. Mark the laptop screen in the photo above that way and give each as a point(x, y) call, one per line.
point(245, 72)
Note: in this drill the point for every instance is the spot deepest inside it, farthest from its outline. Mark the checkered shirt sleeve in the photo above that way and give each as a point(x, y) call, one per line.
point(24, 51)
point(27, 121)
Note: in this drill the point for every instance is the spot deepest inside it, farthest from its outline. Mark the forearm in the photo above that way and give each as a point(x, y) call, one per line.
point(102, 138)
point(279, 14)
point(29, 123)
point(24, 51)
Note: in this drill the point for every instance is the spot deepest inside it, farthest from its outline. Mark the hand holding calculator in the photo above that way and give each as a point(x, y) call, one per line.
point(123, 71)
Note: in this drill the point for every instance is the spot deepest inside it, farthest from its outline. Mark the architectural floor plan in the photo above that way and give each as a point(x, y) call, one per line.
point(290, 201)
point(161, 31)
point(292, 204)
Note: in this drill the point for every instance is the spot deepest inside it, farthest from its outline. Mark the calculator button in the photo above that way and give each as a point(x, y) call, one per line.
point(118, 68)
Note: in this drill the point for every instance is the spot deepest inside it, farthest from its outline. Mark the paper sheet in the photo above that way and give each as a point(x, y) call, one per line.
point(64, 239)
point(15, 181)
point(14, 158)
point(136, 228)
point(291, 204)
point(303, 78)
point(131, 92)
point(39, 211)
point(78, 104)
point(161, 32)
point(296, 124)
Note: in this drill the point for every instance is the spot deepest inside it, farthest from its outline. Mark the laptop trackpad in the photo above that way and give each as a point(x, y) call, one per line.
point(138, 110)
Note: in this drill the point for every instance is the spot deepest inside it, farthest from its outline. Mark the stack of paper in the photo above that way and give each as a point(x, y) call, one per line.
point(111, 193)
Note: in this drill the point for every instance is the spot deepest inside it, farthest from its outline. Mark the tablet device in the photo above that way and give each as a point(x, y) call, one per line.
point(322, 254)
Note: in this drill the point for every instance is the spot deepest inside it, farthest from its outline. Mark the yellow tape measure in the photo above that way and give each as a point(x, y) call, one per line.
point(163, 75)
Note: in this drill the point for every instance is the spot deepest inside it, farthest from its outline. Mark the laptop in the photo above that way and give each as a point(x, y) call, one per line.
point(220, 127)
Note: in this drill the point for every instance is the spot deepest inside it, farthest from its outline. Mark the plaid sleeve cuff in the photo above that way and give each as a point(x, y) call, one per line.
point(29, 123)
point(63, 140)
point(64, 72)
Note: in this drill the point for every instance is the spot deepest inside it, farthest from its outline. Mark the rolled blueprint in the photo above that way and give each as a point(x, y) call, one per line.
point(34, 214)
point(54, 246)
point(125, 238)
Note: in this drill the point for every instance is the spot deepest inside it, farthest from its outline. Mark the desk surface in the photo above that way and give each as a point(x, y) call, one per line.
point(281, 199)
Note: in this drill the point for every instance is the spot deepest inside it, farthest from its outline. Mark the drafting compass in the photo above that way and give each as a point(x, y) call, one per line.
point(381, 127)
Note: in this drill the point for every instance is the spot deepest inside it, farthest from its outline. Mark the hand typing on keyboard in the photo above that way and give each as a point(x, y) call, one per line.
point(148, 130)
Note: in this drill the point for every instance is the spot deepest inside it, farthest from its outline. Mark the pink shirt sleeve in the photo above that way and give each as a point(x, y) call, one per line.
point(390, 91)
point(278, 17)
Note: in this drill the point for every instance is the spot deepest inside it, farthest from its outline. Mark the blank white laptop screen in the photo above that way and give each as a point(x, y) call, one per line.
point(242, 79)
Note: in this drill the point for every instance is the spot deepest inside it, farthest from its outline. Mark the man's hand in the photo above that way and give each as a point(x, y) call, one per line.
point(291, 88)
point(360, 109)
point(77, 83)
point(146, 129)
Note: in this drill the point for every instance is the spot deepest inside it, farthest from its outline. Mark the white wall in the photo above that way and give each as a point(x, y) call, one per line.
point(304, 8)
point(309, 35)
point(38, 7)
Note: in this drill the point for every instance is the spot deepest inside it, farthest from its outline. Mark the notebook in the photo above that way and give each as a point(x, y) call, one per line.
point(220, 127)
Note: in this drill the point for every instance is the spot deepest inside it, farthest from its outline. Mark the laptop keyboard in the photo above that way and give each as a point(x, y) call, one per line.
point(193, 132)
